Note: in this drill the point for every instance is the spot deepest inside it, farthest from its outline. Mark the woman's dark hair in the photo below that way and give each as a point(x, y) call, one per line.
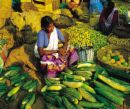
point(110, 7)
point(46, 21)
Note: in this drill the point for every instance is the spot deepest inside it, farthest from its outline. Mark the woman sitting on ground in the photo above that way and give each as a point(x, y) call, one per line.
point(51, 55)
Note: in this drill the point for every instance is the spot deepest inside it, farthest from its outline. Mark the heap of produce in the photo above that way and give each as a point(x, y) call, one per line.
point(85, 85)
point(13, 80)
point(81, 35)
point(123, 10)
point(66, 12)
point(99, 40)
point(119, 41)
point(115, 58)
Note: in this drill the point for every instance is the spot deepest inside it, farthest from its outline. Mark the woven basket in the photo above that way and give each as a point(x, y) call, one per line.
point(124, 51)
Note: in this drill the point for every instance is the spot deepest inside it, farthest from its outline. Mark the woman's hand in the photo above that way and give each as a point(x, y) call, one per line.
point(62, 51)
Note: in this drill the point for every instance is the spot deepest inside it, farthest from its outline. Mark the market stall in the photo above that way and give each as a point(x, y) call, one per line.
point(99, 79)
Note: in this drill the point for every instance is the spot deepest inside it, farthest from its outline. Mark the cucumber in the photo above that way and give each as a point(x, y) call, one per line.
point(2, 93)
point(49, 99)
point(120, 81)
point(10, 73)
point(116, 99)
point(88, 88)
point(27, 98)
point(58, 101)
point(72, 92)
point(32, 85)
point(67, 104)
point(91, 105)
point(43, 89)
point(31, 101)
point(71, 98)
point(105, 101)
point(113, 84)
point(109, 89)
point(13, 91)
point(52, 94)
point(83, 73)
point(17, 75)
point(52, 81)
point(86, 95)
point(27, 83)
point(69, 71)
point(74, 77)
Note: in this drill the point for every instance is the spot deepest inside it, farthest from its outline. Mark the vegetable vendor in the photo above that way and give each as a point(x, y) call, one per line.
point(108, 18)
point(53, 57)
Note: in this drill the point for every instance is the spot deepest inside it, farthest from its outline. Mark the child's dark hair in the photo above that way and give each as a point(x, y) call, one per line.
point(46, 21)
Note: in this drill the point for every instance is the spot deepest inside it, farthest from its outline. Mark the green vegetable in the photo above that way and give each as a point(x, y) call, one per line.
point(91, 105)
point(31, 101)
point(72, 92)
point(88, 88)
point(109, 89)
point(67, 104)
point(86, 95)
point(116, 99)
point(13, 91)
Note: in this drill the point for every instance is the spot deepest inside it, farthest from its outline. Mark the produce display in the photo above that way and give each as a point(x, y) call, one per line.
point(63, 21)
point(13, 80)
point(114, 57)
point(81, 35)
point(123, 10)
point(66, 12)
point(123, 42)
point(82, 86)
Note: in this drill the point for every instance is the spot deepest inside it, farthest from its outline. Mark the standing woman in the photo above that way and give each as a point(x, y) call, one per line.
point(95, 6)
point(55, 58)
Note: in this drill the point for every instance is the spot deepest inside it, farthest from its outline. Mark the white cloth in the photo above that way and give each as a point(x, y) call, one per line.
point(108, 21)
point(53, 41)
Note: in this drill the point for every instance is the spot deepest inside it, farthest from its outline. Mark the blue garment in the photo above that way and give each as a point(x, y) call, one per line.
point(95, 6)
point(43, 40)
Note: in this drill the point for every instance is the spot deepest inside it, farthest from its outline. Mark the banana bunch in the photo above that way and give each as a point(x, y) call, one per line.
point(79, 36)
point(66, 12)
point(18, 20)
point(123, 10)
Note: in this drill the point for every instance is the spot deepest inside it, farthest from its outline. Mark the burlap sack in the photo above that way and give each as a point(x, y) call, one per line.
point(19, 55)
point(5, 8)
point(4, 34)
